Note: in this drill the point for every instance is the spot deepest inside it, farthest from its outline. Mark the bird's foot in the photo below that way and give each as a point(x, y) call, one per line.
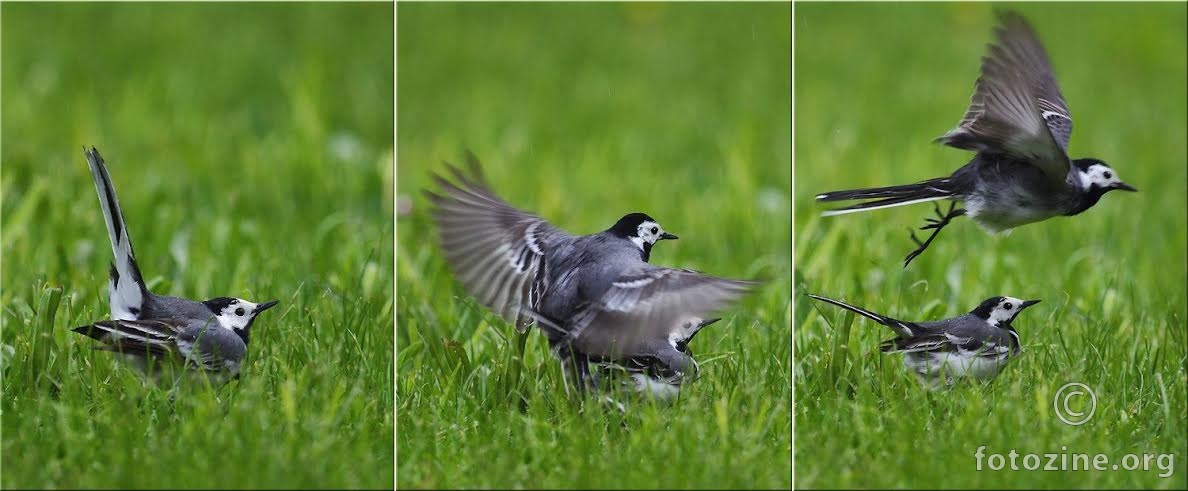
point(935, 224)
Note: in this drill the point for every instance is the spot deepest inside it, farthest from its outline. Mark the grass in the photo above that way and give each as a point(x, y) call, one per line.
point(875, 83)
point(251, 149)
point(583, 113)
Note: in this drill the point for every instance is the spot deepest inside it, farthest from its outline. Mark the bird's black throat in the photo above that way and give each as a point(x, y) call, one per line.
point(243, 334)
point(1087, 199)
point(646, 252)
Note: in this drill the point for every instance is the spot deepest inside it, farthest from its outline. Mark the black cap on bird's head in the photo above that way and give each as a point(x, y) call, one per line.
point(632, 225)
point(642, 230)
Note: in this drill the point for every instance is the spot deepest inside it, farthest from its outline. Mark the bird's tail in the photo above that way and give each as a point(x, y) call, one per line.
point(886, 197)
point(127, 289)
point(904, 329)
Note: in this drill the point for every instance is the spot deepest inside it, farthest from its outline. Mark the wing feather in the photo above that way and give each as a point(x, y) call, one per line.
point(650, 302)
point(154, 337)
point(1017, 108)
point(164, 338)
point(495, 250)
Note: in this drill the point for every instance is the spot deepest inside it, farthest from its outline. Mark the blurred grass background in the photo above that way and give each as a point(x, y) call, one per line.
point(875, 83)
point(583, 113)
point(250, 146)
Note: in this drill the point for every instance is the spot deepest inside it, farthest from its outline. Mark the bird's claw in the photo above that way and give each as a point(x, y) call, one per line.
point(934, 224)
point(914, 238)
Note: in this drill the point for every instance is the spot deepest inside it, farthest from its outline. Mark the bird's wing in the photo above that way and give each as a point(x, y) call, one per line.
point(1020, 40)
point(965, 335)
point(926, 342)
point(1017, 108)
point(155, 337)
point(647, 300)
point(199, 345)
point(495, 250)
point(208, 346)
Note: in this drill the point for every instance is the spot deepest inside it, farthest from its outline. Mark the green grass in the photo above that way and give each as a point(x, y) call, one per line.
point(583, 113)
point(250, 146)
point(875, 83)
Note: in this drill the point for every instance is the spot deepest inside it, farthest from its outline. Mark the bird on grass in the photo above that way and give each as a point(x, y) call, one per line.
point(612, 319)
point(973, 346)
point(1019, 125)
point(156, 332)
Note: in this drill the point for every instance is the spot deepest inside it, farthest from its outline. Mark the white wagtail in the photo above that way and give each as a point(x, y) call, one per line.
point(1019, 125)
point(209, 336)
point(595, 297)
point(976, 345)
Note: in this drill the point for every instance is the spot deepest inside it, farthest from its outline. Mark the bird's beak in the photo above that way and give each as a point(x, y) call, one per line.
point(667, 236)
point(266, 305)
point(1125, 187)
point(1028, 303)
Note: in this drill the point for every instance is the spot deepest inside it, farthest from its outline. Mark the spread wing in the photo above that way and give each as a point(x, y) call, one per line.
point(648, 301)
point(495, 250)
point(1017, 108)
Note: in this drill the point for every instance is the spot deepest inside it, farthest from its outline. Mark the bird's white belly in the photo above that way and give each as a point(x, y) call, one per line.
point(659, 390)
point(1003, 204)
point(954, 365)
point(995, 218)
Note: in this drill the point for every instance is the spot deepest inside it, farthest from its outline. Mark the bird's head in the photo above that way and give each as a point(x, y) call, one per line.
point(1097, 178)
point(1000, 311)
point(237, 314)
point(642, 230)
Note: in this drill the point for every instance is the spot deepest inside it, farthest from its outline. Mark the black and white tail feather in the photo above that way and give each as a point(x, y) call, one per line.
point(127, 290)
point(904, 329)
point(890, 196)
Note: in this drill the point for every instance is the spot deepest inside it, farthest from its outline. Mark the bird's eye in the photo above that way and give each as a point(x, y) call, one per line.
point(1008, 306)
point(1108, 175)
point(239, 311)
point(655, 229)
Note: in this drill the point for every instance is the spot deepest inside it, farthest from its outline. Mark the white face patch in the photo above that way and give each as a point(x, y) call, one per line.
point(237, 315)
point(1006, 310)
point(1100, 175)
point(683, 331)
point(647, 233)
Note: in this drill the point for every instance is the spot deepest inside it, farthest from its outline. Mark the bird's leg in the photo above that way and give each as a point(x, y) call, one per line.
point(575, 368)
point(583, 366)
point(936, 224)
point(518, 393)
point(173, 389)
